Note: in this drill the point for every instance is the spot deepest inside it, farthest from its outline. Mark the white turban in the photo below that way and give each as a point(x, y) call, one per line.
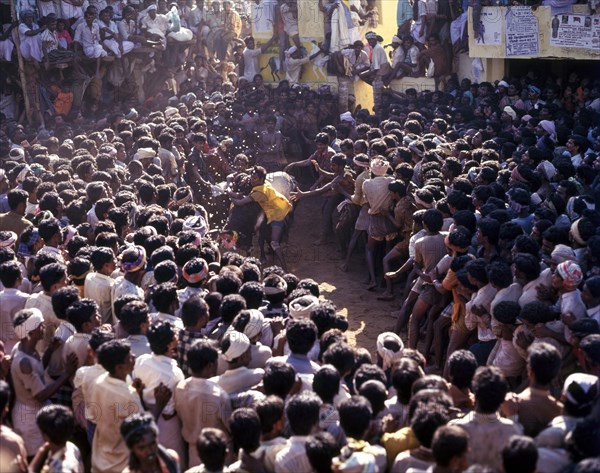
point(547, 169)
point(34, 321)
point(347, 117)
point(562, 253)
point(146, 153)
point(549, 128)
point(510, 112)
point(396, 39)
point(389, 356)
point(10, 240)
point(23, 174)
point(170, 111)
point(379, 166)
point(197, 224)
point(255, 324)
point(291, 51)
point(239, 344)
point(301, 307)
point(152, 7)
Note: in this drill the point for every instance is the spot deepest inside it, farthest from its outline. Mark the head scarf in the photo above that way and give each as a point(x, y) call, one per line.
point(34, 321)
point(138, 263)
point(144, 153)
point(562, 253)
point(549, 128)
point(23, 174)
point(469, 95)
point(423, 204)
point(11, 238)
point(170, 111)
point(197, 224)
point(415, 149)
point(347, 117)
point(16, 154)
point(389, 356)
point(571, 274)
point(276, 286)
point(361, 160)
point(239, 345)
point(255, 324)
point(68, 233)
point(576, 234)
point(301, 307)
point(379, 167)
point(547, 169)
point(516, 175)
point(186, 194)
point(510, 112)
point(198, 276)
point(581, 389)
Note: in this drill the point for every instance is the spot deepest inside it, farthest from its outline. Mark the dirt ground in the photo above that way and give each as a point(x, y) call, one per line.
point(367, 316)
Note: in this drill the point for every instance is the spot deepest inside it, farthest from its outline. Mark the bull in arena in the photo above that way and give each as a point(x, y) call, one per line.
point(249, 220)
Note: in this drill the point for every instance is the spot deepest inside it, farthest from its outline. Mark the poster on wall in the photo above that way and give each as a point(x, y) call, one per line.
point(575, 31)
point(264, 17)
point(521, 32)
point(490, 27)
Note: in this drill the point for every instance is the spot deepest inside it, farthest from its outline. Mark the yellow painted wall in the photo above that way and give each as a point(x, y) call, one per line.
point(544, 16)
point(311, 26)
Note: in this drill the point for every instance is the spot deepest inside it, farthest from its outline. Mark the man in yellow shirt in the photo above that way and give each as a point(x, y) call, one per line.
point(275, 206)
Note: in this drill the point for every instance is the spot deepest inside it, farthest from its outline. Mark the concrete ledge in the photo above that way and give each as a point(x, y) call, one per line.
point(418, 83)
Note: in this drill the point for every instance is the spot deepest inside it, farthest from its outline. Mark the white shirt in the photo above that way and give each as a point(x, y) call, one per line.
point(511, 293)
point(292, 458)
point(77, 343)
point(154, 369)
point(184, 294)
point(56, 366)
point(164, 317)
point(378, 57)
point(139, 345)
point(110, 402)
point(92, 218)
point(51, 250)
point(99, 287)
point(293, 68)
point(398, 56)
point(11, 302)
point(571, 302)
point(482, 298)
point(239, 379)
point(529, 290)
point(49, 37)
point(594, 313)
point(251, 66)
point(88, 37)
point(123, 287)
